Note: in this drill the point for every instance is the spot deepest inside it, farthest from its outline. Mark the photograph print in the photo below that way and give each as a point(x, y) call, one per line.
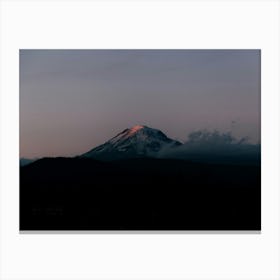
point(140, 140)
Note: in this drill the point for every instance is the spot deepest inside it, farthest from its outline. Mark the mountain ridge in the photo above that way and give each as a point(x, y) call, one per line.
point(134, 142)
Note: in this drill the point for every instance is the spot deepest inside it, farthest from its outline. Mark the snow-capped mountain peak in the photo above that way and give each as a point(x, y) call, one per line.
point(126, 133)
point(137, 141)
point(135, 128)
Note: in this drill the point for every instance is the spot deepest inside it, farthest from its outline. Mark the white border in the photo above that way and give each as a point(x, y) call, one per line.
point(139, 24)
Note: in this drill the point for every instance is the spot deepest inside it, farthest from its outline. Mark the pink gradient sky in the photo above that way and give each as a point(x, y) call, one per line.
point(74, 100)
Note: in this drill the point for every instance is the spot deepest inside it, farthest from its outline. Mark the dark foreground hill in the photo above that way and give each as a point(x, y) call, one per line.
point(138, 194)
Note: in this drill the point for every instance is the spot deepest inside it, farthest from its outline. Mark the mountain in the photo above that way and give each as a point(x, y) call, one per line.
point(138, 194)
point(136, 142)
point(26, 161)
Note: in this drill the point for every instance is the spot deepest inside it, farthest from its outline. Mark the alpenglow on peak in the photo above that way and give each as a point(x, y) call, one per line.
point(137, 141)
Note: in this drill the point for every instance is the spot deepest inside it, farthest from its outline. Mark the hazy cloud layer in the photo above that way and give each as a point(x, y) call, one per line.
point(214, 146)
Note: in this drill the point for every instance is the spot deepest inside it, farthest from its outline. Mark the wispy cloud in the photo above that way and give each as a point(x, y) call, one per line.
point(214, 146)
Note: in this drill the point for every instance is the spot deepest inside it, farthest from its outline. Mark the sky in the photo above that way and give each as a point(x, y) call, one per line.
point(74, 100)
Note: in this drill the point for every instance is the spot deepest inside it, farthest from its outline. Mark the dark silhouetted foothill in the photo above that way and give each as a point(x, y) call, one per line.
point(141, 191)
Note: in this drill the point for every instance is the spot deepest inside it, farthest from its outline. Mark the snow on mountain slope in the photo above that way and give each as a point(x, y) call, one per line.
point(138, 141)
